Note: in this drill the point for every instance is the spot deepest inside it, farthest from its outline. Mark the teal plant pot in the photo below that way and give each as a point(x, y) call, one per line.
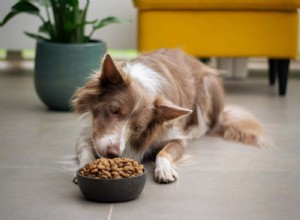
point(62, 68)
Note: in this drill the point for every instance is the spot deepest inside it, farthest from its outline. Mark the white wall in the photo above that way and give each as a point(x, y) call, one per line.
point(117, 36)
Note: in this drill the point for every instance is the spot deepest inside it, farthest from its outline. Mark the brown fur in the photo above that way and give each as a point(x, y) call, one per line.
point(191, 97)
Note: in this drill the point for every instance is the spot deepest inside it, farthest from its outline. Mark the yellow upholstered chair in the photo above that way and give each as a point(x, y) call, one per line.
point(223, 28)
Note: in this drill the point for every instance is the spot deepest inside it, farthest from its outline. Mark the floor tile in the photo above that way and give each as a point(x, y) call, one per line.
point(218, 179)
point(41, 193)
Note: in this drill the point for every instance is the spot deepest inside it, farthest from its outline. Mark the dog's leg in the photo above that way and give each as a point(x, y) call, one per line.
point(84, 147)
point(165, 171)
point(84, 150)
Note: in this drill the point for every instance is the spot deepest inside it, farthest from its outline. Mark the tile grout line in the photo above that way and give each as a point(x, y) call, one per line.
point(110, 212)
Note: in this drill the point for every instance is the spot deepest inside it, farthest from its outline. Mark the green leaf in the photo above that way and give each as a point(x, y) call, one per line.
point(71, 2)
point(45, 28)
point(20, 7)
point(36, 36)
point(9, 16)
point(86, 39)
point(24, 6)
point(71, 27)
point(45, 3)
point(109, 20)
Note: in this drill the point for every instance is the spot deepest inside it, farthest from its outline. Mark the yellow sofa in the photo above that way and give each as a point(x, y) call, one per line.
point(223, 28)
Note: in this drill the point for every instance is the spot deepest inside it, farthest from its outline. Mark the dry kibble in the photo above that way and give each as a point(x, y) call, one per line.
point(101, 167)
point(94, 171)
point(123, 174)
point(126, 168)
point(106, 173)
point(117, 160)
point(103, 177)
point(115, 173)
point(140, 172)
point(116, 168)
point(121, 164)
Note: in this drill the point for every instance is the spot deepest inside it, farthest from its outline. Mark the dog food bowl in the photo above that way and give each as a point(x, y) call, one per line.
point(111, 190)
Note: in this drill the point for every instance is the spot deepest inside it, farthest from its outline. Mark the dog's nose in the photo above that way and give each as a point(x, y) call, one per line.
point(113, 151)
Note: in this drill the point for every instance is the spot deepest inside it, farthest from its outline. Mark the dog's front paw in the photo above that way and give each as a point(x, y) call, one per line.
point(164, 171)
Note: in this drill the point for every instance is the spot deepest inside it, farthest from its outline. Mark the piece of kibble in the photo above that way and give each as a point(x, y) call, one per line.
point(117, 168)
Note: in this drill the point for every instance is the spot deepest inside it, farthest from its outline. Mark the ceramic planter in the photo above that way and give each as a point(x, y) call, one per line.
point(61, 68)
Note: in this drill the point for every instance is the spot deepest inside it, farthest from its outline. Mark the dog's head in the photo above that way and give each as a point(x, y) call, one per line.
point(124, 115)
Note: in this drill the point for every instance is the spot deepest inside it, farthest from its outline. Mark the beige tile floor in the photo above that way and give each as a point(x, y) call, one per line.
point(221, 180)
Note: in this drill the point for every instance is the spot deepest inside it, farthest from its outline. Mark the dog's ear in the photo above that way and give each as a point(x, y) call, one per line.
point(110, 75)
point(166, 110)
point(84, 96)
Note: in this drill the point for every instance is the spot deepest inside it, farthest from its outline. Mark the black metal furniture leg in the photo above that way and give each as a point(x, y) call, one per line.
point(272, 71)
point(283, 72)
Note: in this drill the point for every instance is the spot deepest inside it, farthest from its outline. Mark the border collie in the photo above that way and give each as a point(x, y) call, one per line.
point(151, 105)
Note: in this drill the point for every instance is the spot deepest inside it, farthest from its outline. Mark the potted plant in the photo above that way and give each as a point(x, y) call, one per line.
point(65, 53)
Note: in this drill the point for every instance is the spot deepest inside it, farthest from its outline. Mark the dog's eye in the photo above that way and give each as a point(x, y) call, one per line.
point(137, 128)
point(114, 110)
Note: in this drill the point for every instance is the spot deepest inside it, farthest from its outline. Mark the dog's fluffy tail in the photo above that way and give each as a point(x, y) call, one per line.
point(238, 125)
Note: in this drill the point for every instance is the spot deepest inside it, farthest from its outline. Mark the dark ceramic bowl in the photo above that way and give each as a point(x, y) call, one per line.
point(111, 190)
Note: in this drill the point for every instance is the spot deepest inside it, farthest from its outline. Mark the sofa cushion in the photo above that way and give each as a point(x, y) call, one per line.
point(217, 4)
point(221, 33)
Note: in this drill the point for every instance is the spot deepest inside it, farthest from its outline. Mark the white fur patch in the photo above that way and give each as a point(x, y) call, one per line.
point(85, 156)
point(108, 140)
point(84, 147)
point(105, 142)
point(236, 112)
point(118, 138)
point(124, 135)
point(147, 77)
point(201, 128)
point(164, 171)
point(175, 133)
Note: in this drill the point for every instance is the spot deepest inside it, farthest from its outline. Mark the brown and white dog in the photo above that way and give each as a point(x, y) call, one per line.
point(152, 105)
